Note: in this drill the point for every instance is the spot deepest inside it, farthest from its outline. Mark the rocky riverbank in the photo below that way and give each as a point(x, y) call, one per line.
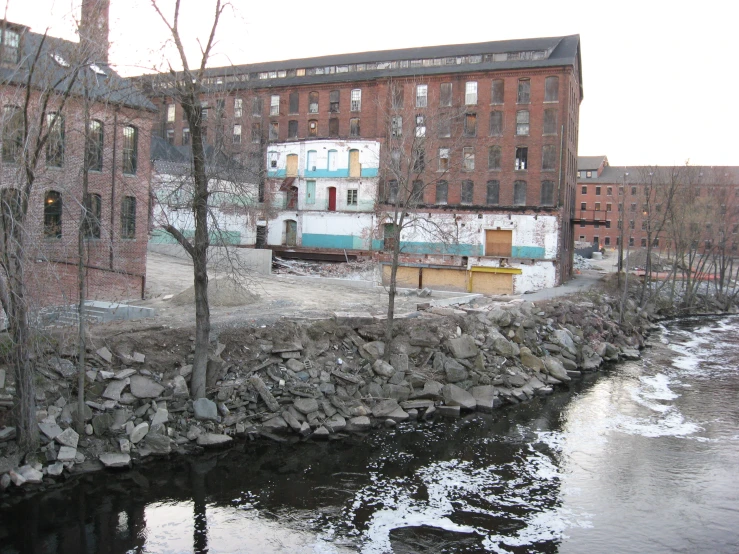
point(310, 380)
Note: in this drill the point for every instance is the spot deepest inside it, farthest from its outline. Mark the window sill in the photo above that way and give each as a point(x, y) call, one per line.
point(551, 101)
point(129, 174)
point(494, 169)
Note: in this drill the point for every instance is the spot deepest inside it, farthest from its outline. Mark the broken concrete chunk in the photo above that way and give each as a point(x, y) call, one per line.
point(457, 396)
point(139, 358)
point(358, 424)
point(180, 387)
point(114, 389)
point(63, 367)
point(50, 429)
point(462, 347)
point(306, 405)
point(68, 437)
point(105, 354)
point(374, 350)
point(205, 410)
point(383, 369)
point(144, 387)
point(287, 347)
point(213, 439)
point(139, 432)
point(114, 459)
point(264, 393)
point(66, 454)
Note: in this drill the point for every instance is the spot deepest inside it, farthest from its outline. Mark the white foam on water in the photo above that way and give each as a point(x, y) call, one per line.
point(672, 424)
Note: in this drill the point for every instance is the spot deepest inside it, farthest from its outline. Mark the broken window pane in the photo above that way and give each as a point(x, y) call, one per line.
point(550, 122)
point(396, 126)
point(470, 124)
point(519, 193)
point(292, 129)
point(493, 193)
point(496, 123)
point(333, 98)
point(274, 131)
point(468, 189)
point(494, 157)
point(443, 159)
point(420, 126)
point(356, 100)
point(547, 193)
point(524, 91)
point(256, 106)
point(468, 157)
point(522, 158)
point(445, 94)
point(497, 92)
point(256, 133)
point(313, 102)
point(354, 127)
point(392, 191)
point(442, 192)
point(417, 191)
point(419, 160)
point(551, 89)
point(445, 126)
point(333, 127)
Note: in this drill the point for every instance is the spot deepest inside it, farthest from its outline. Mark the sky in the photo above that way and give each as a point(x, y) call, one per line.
point(660, 78)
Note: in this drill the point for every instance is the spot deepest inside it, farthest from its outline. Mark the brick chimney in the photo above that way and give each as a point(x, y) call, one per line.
point(94, 25)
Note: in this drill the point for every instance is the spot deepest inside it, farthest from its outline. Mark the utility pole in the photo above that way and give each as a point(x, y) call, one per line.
point(621, 226)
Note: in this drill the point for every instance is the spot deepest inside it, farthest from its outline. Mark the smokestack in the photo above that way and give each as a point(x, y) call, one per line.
point(94, 28)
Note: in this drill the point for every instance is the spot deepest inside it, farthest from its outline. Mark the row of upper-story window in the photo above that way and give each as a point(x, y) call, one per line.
point(497, 96)
point(468, 160)
point(422, 124)
point(12, 136)
point(311, 160)
point(92, 204)
point(467, 192)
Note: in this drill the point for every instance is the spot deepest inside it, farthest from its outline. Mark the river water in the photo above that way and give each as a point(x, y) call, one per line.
point(642, 457)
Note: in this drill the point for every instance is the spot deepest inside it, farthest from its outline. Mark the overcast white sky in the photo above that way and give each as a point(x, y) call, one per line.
point(661, 79)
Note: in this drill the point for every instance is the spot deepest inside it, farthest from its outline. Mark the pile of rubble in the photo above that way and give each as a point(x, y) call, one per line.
point(357, 270)
point(317, 380)
point(581, 263)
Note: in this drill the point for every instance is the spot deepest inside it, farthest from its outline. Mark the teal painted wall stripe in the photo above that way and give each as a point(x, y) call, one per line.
point(314, 240)
point(532, 252)
point(324, 173)
point(160, 236)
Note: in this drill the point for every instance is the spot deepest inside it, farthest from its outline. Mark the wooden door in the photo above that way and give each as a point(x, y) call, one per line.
point(291, 232)
point(292, 165)
point(354, 167)
point(331, 199)
point(491, 283)
point(498, 243)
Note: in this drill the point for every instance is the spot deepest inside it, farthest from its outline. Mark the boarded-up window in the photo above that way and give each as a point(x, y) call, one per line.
point(291, 165)
point(313, 102)
point(354, 127)
point(292, 129)
point(333, 127)
point(551, 89)
point(494, 157)
point(470, 124)
point(443, 159)
point(548, 157)
point(497, 96)
point(312, 128)
point(333, 98)
point(468, 158)
point(522, 158)
point(355, 169)
point(498, 243)
point(274, 131)
point(522, 122)
point(397, 96)
point(550, 121)
point(493, 193)
point(547, 193)
point(442, 192)
point(524, 91)
point(519, 193)
point(468, 190)
point(294, 102)
point(496, 123)
point(445, 94)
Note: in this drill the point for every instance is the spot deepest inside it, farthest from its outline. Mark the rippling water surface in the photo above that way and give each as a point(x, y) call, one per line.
point(641, 458)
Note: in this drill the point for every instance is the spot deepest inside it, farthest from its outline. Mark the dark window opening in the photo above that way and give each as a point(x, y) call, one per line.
point(547, 193)
point(442, 192)
point(519, 193)
point(53, 215)
point(493, 193)
point(522, 158)
point(128, 217)
point(468, 190)
point(93, 206)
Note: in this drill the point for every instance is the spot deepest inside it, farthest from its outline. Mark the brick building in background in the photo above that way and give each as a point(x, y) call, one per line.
point(607, 195)
point(503, 164)
point(117, 151)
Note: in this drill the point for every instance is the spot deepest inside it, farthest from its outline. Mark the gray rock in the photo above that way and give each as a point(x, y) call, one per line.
point(374, 350)
point(327, 388)
point(114, 389)
point(422, 337)
point(31, 474)
point(306, 405)
point(563, 338)
point(179, 385)
point(320, 433)
point(17, 479)
point(139, 358)
point(115, 459)
point(124, 373)
point(568, 364)
point(2, 379)
point(55, 469)
point(397, 392)
point(556, 369)
point(462, 347)
point(383, 369)
point(305, 429)
point(144, 387)
point(139, 432)
point(529, 360)
point(590, 360)
point(275, 425)
point(385, 408)
point(374, 390)
point(50, 429)
point(335, 423)
point(399, 362)
point(63, 367)
point(101, 424)
point(213, 439)
point(105, 354)
point(455, 372)
point(68, 437)
point(205, 410)
point(281, 347)
point(431, 390)
point(398, 415)
point(292, 421)
point(504, 347)
point(66, 454)
point(630, 353)
point(457, 396)
point(448, 411)
point(158, 444)
point(349, 407)
point(486, 397)
point(358, 424)
point(5, 481)
point(160, 417)
point(120, 417)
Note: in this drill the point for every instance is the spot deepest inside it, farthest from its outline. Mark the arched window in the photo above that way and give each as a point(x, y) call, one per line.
point(55, 140)
point(128, 217)
point(53, 215)
point(311, 161)
point(332, 159)
point(130, 149)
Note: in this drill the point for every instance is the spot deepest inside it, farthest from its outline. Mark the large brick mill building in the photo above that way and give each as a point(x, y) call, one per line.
point(500, 127)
